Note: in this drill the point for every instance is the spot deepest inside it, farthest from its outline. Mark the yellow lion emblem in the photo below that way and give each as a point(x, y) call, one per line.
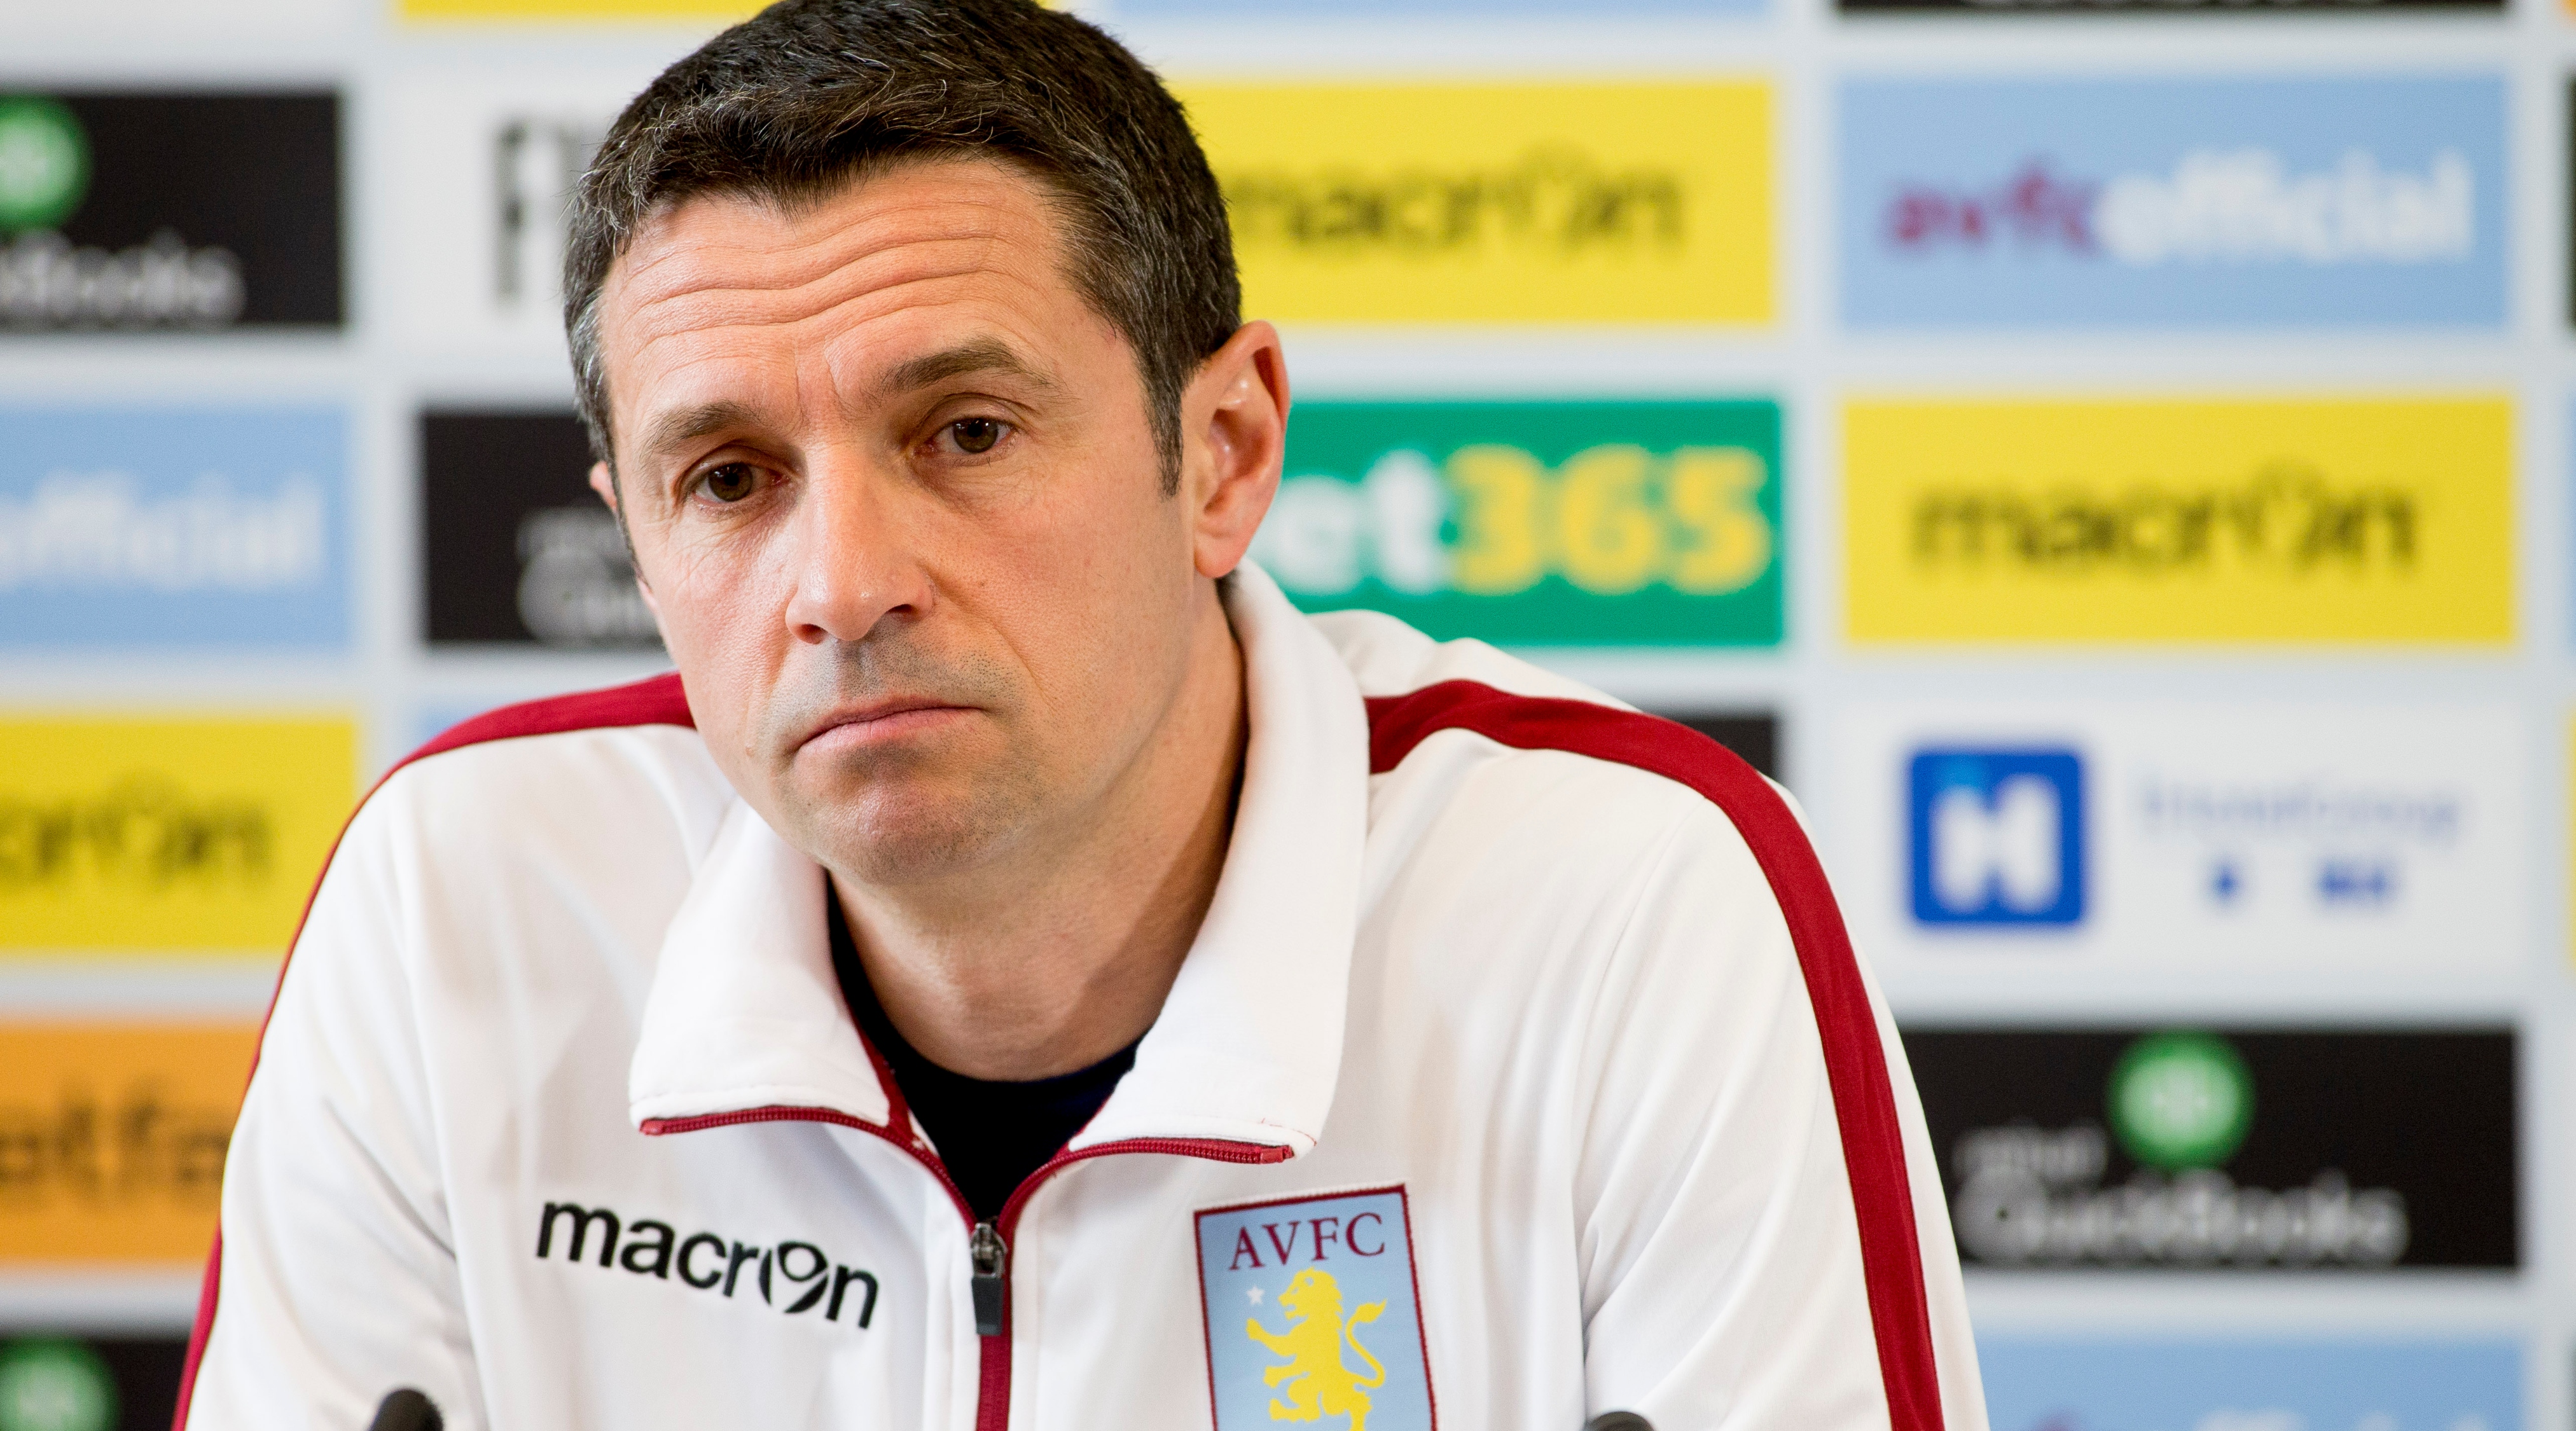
point(1318, 1383)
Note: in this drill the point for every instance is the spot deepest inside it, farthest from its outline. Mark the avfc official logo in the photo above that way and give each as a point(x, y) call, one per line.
point(1313, 1314)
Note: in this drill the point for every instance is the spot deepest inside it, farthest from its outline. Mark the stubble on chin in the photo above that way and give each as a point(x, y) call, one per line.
point(917, 810)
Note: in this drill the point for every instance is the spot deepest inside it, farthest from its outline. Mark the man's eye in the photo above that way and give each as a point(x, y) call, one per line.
point(732, 482)
point(975, 434)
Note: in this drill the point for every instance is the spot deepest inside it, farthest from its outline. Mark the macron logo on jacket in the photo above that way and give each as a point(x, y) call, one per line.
point(707, 1261)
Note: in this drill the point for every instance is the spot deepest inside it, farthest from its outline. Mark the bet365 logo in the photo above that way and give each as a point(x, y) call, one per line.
point(1594, 524)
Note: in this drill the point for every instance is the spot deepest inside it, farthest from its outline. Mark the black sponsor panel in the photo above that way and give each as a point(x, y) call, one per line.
point(1754, 735)
point(2242, 1149)
point(130, 1384)
point(516, 548)
point(169, 211)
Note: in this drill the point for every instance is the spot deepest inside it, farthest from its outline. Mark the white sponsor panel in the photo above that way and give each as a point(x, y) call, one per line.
point(2235, 838)
point(486, 168)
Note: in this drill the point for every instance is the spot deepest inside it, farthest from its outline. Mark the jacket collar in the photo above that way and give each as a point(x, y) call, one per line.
point(745, 1013)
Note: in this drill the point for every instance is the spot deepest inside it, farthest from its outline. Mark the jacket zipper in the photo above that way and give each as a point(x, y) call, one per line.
point(991, 1256)
point(988, 1242)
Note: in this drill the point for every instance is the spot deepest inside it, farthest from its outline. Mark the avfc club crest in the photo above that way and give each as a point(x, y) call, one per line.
point(1313, 1314)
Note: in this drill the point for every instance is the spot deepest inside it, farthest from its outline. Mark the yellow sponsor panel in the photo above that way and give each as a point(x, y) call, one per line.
point(112, 1138)
point(2289, 520)
point(1496, 203)
point(648, 10)
point(166, 835)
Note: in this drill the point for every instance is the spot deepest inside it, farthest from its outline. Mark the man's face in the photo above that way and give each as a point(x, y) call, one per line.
point(894, 495)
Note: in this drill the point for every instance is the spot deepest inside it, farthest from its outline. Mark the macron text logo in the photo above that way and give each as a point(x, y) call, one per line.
point(1997, 836)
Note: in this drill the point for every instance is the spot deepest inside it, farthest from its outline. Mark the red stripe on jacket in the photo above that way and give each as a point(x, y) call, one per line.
point(1855, 1061)
point(656, 700)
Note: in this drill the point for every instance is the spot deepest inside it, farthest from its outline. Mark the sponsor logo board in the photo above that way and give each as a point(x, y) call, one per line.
point(63, 1383)
point(2185, 520)
point(1538, 523)
point(190, 834)
point(1496, 203)
point(112, 1138)
point(132, 527)
point(2173, 203)
point(2255, 1383)
point(1313, 1310)
point(2229, 1148)
point(2172, 836)
point(169, 211)
point(490, 163)
point(517, 548)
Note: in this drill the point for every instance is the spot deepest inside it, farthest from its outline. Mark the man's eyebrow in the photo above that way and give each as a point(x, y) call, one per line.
point(677, 429)
point(982, 355)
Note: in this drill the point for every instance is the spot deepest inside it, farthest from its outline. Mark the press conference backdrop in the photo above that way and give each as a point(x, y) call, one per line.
point(2108, 457)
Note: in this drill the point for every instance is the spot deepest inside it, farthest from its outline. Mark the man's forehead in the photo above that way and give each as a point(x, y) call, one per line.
point(715, 281)
point(750, 257)
point(900, 240)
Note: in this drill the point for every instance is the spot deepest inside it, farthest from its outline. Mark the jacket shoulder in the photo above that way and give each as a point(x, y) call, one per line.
point(603, 767)
point(1568, 772)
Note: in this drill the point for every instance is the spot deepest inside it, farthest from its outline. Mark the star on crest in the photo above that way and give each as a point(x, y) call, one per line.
point(1254, 1293)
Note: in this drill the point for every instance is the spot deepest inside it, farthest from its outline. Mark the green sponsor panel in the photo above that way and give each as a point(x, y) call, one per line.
point(1537, 523)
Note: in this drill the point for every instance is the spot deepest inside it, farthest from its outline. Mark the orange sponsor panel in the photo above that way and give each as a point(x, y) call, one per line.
point(112, 1138)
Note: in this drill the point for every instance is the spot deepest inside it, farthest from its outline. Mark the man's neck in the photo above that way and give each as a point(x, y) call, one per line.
point(1061, 955)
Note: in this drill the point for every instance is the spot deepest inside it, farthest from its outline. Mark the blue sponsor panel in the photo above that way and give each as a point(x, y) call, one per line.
point(131, 527)
point(2173, 203)
point(1996, 836)
point(2054, 1384)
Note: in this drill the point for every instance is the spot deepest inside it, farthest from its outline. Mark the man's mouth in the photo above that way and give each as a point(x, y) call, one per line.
point(857, 726)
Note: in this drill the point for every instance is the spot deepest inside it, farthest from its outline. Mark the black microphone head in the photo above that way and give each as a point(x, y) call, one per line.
point(406, 1410)
point(1618, 1421)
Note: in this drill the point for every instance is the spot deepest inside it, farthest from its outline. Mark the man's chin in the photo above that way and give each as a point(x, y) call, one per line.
point(903, 831)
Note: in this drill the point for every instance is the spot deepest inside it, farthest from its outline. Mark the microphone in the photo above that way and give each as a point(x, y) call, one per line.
point(1618, 1421)
point(404, 1409)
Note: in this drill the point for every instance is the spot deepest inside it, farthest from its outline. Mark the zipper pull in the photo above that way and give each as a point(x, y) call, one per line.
point(988, 1251)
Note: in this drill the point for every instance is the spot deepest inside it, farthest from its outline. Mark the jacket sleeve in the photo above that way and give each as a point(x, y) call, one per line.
point(1729, 1183)
point(335, 1279)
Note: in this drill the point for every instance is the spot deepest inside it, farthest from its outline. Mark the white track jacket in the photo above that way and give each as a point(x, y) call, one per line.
point(1522, 1070)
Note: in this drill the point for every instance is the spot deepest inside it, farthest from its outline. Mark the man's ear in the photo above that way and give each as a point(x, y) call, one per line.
point(603, 480)
point(1234, 435)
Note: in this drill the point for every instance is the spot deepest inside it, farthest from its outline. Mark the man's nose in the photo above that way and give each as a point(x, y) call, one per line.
point(855, 566)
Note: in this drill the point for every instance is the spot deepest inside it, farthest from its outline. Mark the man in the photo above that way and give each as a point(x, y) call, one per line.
point(1020, 972)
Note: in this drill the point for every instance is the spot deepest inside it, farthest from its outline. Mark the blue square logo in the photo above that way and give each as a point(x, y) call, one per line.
point(1313, 1314)
point(1996, 836)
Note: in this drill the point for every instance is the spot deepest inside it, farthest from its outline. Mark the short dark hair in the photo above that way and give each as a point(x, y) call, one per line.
point(811, 94)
